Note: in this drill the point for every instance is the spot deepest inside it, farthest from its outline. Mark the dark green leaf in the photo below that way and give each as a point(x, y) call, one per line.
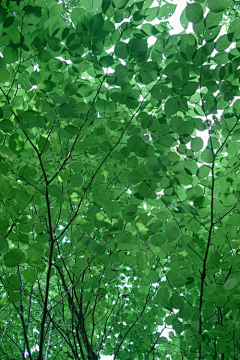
point(194, 13)
point(13, 257)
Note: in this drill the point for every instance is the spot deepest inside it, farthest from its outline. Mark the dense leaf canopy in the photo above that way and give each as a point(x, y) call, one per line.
point(119, 181)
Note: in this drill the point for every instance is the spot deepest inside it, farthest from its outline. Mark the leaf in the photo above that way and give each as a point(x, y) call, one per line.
point(222, 43)
point(203, 172)
point(194, 13)
point(166, 11)
point(183, 19)
point(106, 61)
point(120, 4)
point(121, 50)
point(65, 111)
point(35, 252)
point(129, 211)
point(16, 143)
point(218, 5)
point(196, 144)
point(171, 106)
point(6, 126)
point(10, 54)
point(44, 56)
point(76, 180)
point(176, 301)
point(54, 190)
point(171, 231)
point(105, 5)
point(190, 88)
point(12, 283)
point(145, 190)
point(14, 257)
point(4, 75)
point(3, 245)
point(149, 29)
point(230, 284)
point(207, 156)
point(152, 277)
point(160, 92)
point(8, 21)
point(71, 89)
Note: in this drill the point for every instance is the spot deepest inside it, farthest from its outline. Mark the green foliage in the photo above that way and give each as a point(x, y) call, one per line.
point(117, 221)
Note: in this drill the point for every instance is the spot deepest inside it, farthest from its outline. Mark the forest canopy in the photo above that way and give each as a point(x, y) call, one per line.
point(119, 180)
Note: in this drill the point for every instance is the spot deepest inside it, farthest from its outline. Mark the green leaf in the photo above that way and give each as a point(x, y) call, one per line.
point(149, 29)
point(230, 284)
point(121, 50)
point(6, 126)
point(145, 190)
point(14, 257)
point(196, 144)
point(166, 11)
point(160, 92)
point(4, 75)
point(30, 275)
point(207, 156)
point(176, 301)
point(105, 5)
point(120, 4)
point(106, 61)
point(152, 277)
point(76, 180)
point(44, 56)
point(16, 143)
point(54, 190)
point(12, 283)
point(171, 106)
point(203, 172)
point(71, 89)
point(129, 211)
point(65, 111)
point(218, 5)
point(222, 43)
point(183, 19)
point(35, 252)
point(194, 13)
point(8, 21)
point(190, 88)
point(171, 231)
point(3, 245)
point(10, 54)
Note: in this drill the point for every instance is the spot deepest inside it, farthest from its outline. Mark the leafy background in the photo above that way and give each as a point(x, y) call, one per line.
point(117, 222)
